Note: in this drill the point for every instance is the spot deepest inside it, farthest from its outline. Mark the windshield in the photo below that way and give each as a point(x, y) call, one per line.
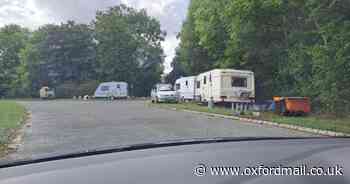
point(165, 88)
point(83, 75)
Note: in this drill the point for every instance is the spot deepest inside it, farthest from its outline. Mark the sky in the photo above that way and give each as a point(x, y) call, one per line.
point(34, 13)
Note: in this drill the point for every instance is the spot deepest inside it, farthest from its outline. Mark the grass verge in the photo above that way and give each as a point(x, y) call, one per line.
point(11, 117)
point(312, 121)
point(195, 107)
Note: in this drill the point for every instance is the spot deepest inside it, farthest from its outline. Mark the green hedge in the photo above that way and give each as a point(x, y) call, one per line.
point(70, 89)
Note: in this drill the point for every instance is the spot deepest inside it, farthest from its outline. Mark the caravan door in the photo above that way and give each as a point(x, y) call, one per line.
point(205, 87)
point(210, 86)
point(121, 90)
point(117, 92)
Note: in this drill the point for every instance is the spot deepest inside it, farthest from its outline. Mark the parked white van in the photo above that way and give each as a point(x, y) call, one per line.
point(186, 88)
point(163, 93)
point(226, 85)
point(112, 90)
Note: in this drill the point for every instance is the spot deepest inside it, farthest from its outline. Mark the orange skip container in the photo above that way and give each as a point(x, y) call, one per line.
point(292, 105)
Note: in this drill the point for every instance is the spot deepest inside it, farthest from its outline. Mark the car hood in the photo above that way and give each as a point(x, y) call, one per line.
point(177, 164)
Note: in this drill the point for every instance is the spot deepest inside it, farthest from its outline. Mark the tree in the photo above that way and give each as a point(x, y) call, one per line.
point(67, 54)
point(12, 40)
point(209, 25)
point(295, 47)
point(178, 70)
point(129, 48)
point(193, 57)
point(57, 54)
point(330, 54)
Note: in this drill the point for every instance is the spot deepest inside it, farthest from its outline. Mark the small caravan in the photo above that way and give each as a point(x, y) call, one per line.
point(226, 85)
point(186, 88)
point(112, 90)
point(47, 93)
point(163, 93)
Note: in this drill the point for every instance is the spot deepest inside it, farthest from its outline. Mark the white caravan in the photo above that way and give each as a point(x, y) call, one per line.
point(186, 88)
point(226, 85)
point(112, 90)
point(47, 93)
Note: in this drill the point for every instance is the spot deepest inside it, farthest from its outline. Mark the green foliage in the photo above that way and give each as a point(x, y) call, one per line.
point(65, 52)
point(70, 89)
point(12, 40)
point(122, 44)
point(295, 47)
point(191, 54)
point(66, 90)
point(129, 48)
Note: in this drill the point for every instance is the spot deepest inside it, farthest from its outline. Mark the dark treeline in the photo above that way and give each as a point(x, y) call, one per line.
point(295, 47)
point(121, 44)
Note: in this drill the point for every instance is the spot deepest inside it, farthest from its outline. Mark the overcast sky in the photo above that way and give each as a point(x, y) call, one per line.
point(33, 13)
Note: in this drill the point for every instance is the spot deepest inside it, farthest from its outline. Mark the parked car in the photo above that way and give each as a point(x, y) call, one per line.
point(226, 85)
point(186, 88)
point(47, 93)
point(112, 90)
point(164, 93)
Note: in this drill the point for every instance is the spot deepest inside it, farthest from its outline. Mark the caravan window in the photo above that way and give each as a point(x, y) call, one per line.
point(118, 86)
point(239, 82)
point(105, 88)
point(186, 83)
point(205, 80)
point(198, 84)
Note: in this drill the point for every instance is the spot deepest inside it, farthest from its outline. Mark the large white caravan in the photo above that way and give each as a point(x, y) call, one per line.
point(226, 85)
point(112, 90)
point(186, 88)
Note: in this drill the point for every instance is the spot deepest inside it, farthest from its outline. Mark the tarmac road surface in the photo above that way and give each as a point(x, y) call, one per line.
point(65, 126)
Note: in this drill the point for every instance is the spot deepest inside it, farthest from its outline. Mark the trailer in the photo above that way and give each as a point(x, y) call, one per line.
point(236, 87)
point(112, 90)
point(47, 93)
point(186, 88)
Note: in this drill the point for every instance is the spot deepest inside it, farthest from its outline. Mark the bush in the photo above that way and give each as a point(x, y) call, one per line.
point(87, 88)
point(70, 89)
point(66, 90)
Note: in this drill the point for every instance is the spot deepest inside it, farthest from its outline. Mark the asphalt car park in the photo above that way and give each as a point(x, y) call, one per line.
point(66, 126)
